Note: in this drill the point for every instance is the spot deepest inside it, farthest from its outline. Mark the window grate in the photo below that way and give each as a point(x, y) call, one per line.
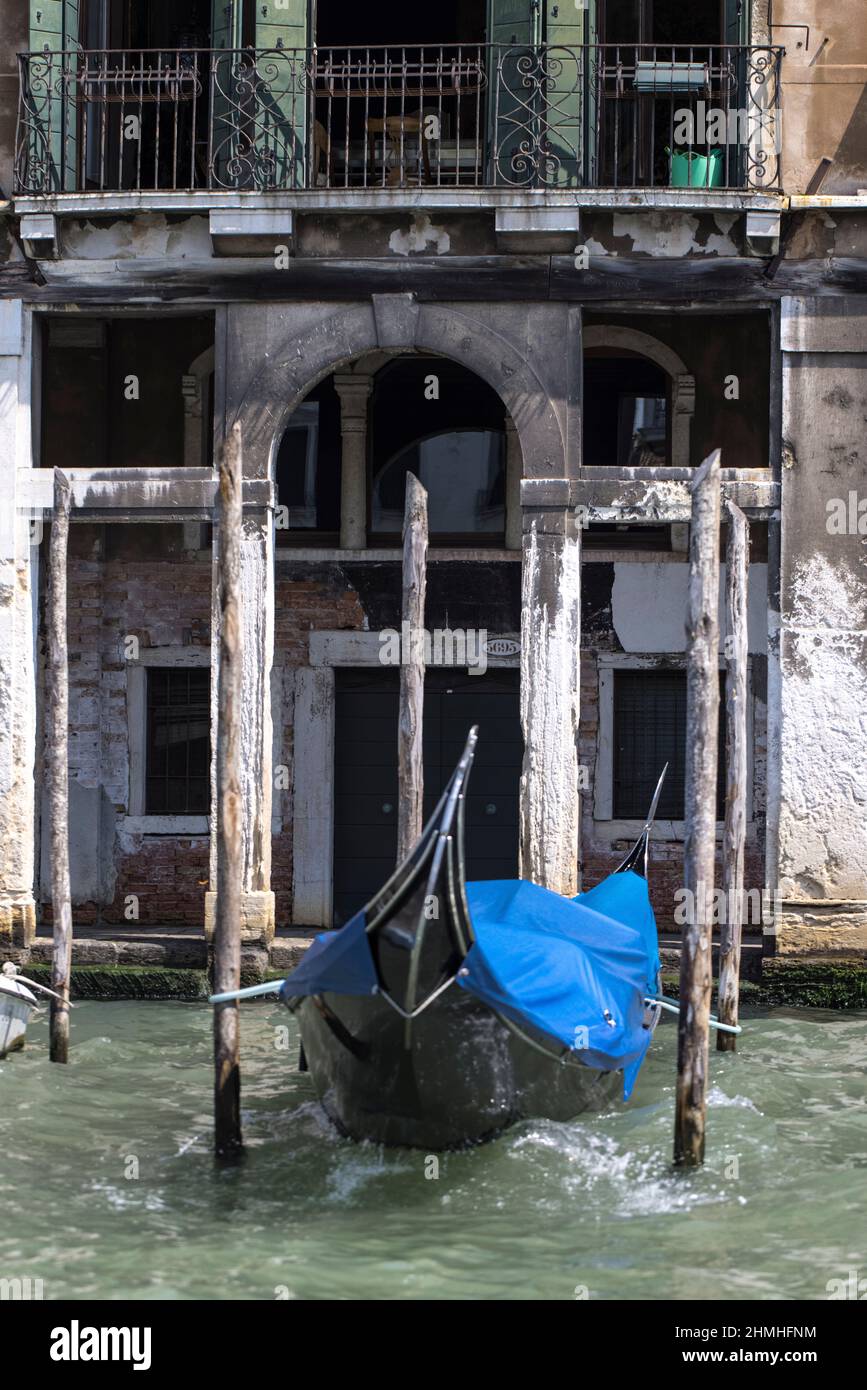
point(178, 755)
point(650, 731)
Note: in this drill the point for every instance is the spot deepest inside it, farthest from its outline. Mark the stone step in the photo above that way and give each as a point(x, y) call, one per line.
point(168, 947)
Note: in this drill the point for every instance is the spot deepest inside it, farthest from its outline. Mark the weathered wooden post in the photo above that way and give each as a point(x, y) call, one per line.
point(228, 1139)
point(734, 836)
point(57, 770)
point(702, 726)
point(410, 765)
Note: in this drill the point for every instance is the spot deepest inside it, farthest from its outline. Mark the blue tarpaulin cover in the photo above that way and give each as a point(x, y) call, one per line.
point(574, 970)
point(337, 962)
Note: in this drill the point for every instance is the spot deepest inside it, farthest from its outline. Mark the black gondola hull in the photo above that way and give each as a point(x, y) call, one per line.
point(453, 1076)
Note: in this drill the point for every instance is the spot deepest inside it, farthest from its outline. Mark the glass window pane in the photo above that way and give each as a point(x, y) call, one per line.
point(178, 741)
point(650, 731)
point(463, 472)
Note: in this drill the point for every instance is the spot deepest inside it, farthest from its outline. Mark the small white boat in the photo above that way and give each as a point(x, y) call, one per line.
point(17, 1003)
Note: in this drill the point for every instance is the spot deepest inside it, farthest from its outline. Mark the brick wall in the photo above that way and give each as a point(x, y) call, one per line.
point(126, 582)
point(666, 857)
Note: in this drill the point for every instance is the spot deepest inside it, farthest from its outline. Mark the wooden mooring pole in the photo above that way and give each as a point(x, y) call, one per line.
point(734, 835)
point(702, 725)
point(228, 1140)
point(57, 770)
point(410, 763)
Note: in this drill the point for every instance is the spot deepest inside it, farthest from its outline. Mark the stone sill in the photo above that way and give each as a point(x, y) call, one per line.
point(286, 555)
point(195, 826)
point(425, 199)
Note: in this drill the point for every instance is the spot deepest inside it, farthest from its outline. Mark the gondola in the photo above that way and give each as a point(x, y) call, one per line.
point(17, 1003)
point(445, 1011)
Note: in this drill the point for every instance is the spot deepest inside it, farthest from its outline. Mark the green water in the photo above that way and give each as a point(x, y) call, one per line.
point(548, 1209)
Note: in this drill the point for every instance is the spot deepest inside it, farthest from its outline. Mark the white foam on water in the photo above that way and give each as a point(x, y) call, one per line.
point(620, 1182)
point(353, 1174)
point(716, 1096)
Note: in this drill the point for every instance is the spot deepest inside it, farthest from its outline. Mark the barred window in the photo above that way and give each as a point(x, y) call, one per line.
point(178, 741)
point(650, 731)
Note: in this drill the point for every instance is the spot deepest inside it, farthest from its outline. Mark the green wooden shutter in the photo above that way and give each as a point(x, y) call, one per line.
point(281, 29)
point(571, 120)
point(593, 64)
point(51, 98)
point(736, 30)
point(259, 97)
point(226, 20)
point(513, 92)
point(225, 118)
point(737, 21)
point(511, 22)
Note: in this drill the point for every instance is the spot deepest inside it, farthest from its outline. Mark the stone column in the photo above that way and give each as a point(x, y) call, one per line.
point(354, 392)
point(257, 585)
point(550, 641)
point(822, 690)
point(514, 470)
point(17, 617)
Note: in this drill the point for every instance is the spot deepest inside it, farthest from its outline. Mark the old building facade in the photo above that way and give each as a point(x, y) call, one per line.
point(547, 258)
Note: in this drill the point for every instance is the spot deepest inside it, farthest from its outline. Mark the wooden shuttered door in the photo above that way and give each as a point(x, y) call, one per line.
point(227, 39)
point(259, 94)
point(227, 24)
point(52, 155)
point(281, 29)
point(542, 102)
point(570, 107)
point(736, 19)
point(736, 32)
point(365, 773)
point(513, 33)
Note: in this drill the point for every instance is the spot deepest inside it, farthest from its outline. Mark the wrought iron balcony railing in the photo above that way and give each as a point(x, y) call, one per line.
point(460, 115)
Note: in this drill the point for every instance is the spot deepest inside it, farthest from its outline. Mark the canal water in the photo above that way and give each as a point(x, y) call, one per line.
point(108, 1188)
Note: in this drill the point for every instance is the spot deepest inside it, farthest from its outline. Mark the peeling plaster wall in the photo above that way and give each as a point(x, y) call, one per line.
point(17, 578)
point(150, 236)
point(823, 821)
point(649, 607)
point(662, 233)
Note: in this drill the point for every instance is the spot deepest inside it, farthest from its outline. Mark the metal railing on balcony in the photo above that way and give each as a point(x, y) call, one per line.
point(459, 115)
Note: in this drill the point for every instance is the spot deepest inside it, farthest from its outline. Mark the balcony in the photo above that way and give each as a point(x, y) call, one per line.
point(477, 116)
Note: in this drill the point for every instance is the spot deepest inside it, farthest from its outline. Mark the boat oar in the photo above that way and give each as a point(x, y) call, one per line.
point(675, 1009)
point(270, 987)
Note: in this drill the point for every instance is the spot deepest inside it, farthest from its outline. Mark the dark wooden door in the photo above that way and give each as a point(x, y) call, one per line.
point(365, 773)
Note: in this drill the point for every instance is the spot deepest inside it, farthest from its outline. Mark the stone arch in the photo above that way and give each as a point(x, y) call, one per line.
point(396, 323)
point(682, 380)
